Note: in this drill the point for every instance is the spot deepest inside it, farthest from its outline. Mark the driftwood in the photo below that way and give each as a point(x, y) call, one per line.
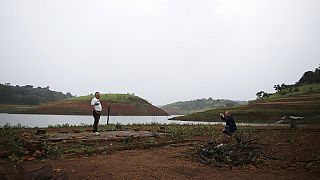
point(241, 153)
point(293, 120)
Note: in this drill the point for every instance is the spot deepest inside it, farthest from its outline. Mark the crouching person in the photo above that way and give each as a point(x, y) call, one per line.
point(231, 126)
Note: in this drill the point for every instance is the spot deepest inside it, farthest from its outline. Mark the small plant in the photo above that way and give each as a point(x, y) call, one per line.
point(183, 131)
point(13, 144)
point(127, 141)
point(79, 148)
point(51, 148)
point(13, 157)
point(150, 141)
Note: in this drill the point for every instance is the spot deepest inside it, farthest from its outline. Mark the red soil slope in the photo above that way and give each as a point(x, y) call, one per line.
point(83, 108)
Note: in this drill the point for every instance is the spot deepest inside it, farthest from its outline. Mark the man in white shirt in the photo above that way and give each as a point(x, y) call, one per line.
point(96, 111)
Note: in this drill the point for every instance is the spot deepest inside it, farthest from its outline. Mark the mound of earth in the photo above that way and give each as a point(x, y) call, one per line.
point(120, 105)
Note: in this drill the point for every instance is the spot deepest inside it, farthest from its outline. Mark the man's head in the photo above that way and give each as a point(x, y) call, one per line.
point(227, 113)
point(97, 95)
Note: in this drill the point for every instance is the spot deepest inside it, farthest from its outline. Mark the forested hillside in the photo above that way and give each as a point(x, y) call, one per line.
point(198, 105)
point(29, 95)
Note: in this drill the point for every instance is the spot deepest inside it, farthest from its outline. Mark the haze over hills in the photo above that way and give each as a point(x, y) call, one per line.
point(299, 99)
point(198, 105)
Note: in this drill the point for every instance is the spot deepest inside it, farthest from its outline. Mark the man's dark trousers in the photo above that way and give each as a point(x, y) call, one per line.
point(96, 116)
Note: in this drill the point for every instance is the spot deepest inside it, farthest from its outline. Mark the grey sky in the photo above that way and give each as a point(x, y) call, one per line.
point(163, 51)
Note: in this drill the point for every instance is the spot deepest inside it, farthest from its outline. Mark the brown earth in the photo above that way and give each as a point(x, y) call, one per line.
point(83, 108)
point(292, 154)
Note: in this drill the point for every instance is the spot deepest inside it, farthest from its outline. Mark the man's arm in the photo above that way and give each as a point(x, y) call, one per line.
point(93, 105)
point(222, 117)
point(93, 108)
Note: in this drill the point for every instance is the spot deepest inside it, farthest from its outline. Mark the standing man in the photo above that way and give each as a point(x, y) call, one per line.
point(231, 126)
point(96, 111)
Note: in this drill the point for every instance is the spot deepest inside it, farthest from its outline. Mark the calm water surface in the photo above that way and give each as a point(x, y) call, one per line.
point(36, 120)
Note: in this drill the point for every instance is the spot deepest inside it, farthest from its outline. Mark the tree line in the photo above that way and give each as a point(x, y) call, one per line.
point(10, 94)
point(202, 103)
point(309, 77)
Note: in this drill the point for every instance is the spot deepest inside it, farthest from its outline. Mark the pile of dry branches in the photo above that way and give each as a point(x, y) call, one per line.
point(241, 153)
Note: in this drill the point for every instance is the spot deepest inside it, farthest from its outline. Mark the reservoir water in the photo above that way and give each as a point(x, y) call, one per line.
point(37, 120)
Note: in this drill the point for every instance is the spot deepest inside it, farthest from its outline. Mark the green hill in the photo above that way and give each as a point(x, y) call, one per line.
point(299, 99)
point(198, 105)
point(121, 104)
point(116, 98)
point(305, 89)
point(267, 111)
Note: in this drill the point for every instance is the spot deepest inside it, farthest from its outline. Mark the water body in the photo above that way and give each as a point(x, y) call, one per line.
point(37, 120)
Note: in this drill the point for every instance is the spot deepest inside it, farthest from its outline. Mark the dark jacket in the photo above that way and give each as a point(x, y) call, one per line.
point(230, 122)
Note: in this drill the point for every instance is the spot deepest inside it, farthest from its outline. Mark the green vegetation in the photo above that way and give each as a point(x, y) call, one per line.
point(184, 131)
point(9, 108)
point(308, 84)
point(121, 104)
point(300, 99)
point(10, 142)
point(265, 112)
point(198, 105)
point(283, 91)
point(150, 141)
point(117, 98)
point(28, 95)
point(305, 89)
point(15, 139)
point(30, 100)
point(79, 148)
point(174, 130)
point(310, 77)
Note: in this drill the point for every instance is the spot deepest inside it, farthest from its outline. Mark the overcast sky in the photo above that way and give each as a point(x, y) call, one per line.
point(161, 50)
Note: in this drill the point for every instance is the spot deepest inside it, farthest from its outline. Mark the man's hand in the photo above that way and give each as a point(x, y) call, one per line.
point(93, 108)
point(221, 115)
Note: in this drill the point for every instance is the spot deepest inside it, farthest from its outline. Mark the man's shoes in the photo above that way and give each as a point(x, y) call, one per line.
point(96, 134)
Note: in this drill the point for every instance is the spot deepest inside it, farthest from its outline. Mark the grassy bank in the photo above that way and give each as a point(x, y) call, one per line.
point(267, 111)
point(11, 108)
point(116, 98)
point(307, 89)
